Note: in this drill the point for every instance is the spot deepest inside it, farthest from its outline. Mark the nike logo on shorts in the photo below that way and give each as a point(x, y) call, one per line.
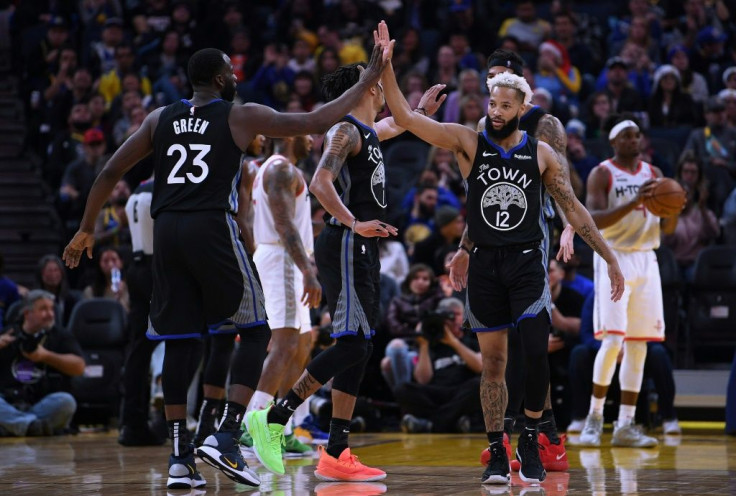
point(526, 251)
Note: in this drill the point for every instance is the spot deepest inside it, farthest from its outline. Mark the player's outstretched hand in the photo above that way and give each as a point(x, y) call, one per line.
point(459, 269)
point(73, 252)
point(430, 101)
point(312, 295)
point(617, 281)
point(567, 250)
point(375, 229)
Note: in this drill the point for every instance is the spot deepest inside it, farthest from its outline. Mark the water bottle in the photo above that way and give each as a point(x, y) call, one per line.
point(115, 280)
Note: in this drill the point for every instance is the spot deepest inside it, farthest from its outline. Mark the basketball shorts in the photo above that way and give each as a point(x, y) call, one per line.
point(639, 314)
point(203, 279)
point(506, 285)
point(283, 286)
point(349, 270)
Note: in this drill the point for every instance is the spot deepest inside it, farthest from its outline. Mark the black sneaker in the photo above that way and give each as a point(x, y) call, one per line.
point(222, 451)
point(205, 428)
point(527, 452)
point(497, 471)
point(183, 473)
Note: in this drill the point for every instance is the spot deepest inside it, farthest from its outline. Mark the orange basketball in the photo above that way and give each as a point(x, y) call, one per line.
point(666, 198)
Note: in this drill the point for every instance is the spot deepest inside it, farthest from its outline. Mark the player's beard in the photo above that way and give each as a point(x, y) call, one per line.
point(228, 92)
point(505, 131)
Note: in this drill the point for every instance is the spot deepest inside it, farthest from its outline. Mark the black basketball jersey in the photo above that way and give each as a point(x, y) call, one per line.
point(361, 183)
point(505, 194)
point(197, 163)
point(529, 121)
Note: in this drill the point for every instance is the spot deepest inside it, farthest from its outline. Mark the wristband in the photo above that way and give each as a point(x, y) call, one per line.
point(421, 110)
point(463, 247)
point(355, 221)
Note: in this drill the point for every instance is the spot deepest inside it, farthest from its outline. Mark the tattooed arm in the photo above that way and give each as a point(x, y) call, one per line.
point(282, 183)
point(557, 182)
point(342, 141)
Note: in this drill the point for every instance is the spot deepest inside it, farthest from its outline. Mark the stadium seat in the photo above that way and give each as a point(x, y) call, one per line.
point(712, 307)
point(99, 324)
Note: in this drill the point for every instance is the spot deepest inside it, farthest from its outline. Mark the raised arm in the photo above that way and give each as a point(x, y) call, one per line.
point(557, 182)
point(342, 141)
point(132, 151)
point(428, 105)
point(280, 125)
point(281, 182)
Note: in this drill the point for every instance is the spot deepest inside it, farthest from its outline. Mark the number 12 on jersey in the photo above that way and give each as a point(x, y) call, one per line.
point(197, 161)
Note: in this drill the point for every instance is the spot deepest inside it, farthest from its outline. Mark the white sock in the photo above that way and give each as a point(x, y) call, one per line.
point(596, 405)
point(626, 414)
point(259, 401)
point(301, 412)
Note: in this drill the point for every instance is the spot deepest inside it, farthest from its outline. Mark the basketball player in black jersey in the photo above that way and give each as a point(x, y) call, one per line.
point(547, 128)
point(506, 172)
point(203, 277)
point(350, 183)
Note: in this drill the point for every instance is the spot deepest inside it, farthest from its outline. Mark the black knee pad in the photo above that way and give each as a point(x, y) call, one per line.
point(347, 352)
point(179, 355)
point(218, 359)
point(534, 333)
point(348, 381)
point(249, 356)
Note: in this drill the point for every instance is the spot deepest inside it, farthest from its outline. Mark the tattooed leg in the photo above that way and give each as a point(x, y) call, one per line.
point(493, 392)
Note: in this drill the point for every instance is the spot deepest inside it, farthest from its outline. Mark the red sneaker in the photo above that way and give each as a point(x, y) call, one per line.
point(346, 468)
point(554, 456)
point(485, 455)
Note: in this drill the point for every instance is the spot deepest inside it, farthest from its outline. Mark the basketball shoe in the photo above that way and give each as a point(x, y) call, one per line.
point(345, 468)
point(553, 455)
point(497, 466)
point(183, 473)
point(267, 440)
point(632, 436)
point(591, 435)
point(485, 455)
point(222, 451)
point(527, 452)
point(292, 447)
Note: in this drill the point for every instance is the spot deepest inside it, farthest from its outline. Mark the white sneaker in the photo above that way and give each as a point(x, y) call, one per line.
point(631, 436)
point(671, 427)
point(576, 425)
point(591, 435)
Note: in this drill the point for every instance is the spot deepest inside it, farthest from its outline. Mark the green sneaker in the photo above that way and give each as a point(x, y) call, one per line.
point(267, 440)
point(245, 439)
point(293, 447)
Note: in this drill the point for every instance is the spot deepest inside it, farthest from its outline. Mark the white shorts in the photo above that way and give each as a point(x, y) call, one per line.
point(638, 315)
point(283, 285)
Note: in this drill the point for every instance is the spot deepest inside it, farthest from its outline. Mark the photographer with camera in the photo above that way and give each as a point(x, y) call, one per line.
point(36, 361)
point(447, 374)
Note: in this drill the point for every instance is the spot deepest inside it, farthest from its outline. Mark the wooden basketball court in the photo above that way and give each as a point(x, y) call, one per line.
point(697, 463)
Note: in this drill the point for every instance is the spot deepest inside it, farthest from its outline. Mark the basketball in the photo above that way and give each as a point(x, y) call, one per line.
point(666, 198)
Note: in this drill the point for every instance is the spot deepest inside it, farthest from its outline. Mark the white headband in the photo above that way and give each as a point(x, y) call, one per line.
point(620, 127)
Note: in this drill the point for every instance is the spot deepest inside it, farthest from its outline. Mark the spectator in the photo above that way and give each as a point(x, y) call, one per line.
point(245, 62)
point(422, 209)
point(103, 58)
point(9, 292)
point(639, 34)
point(445, 68)
point(709, 57)
point(728, 97)
point(556, 74)
point(598, 109)
point(466, 58)
point(76, 88)
point(526, 27)
point(305, 91)
point(470, 84)
point(692, 83)
point(51, 277)
point(111, 227)
point(301, 57)
point(394, 261)
point(577, 154)
point(108, 279)
point(448, 227)
point(623, 97)
point(98, 113)
point(67, 146)
point(37, 358)
point(641, 68)
point(472, 110)
point(44, 59)
point(410, 55)
point(165, 68)
point(446, 393)
point(273, 81)
point(420, 294)
point(327, 62)
point(432, 176)
point(670, 106)
point(111, 82)
point(61, 83)
point(348, 51)
point(79, 176)
point(729, 78)
point(581, 55)
point(130, 101)
point(697, 226)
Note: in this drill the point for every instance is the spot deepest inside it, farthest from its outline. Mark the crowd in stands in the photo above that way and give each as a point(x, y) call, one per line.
point(93, 69)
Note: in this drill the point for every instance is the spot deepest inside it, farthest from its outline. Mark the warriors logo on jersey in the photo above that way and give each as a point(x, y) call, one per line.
point(503, 206)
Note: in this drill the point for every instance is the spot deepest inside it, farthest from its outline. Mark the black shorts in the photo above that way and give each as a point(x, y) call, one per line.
point(203, 279)
point(350, 272)
point(505, 286)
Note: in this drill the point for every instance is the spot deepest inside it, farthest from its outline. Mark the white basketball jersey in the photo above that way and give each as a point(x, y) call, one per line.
point(264, 229)
point(639, 229)
point(140, 222)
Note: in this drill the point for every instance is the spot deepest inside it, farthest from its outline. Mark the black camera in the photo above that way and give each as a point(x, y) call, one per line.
point(433, 325)
point(27, 343)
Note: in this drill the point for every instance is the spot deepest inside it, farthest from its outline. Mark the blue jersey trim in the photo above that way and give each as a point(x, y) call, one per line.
point(492, 329)
point(506, 154)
